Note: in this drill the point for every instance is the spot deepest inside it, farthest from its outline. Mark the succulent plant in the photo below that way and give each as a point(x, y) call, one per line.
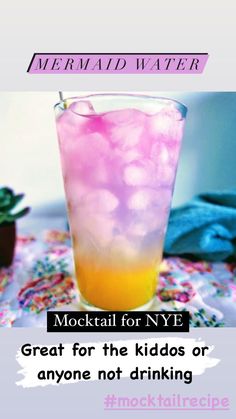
point(8, 201)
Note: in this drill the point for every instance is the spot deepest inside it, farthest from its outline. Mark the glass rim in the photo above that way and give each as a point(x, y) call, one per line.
point(183, 108)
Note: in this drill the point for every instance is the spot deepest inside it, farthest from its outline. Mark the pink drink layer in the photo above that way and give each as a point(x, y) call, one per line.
point(119, 170)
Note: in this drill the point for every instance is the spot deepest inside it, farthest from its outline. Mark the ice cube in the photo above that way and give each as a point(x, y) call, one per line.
point(174, 150)
point(75, 192)
point(100, 174)
point(142, 199)
point(125, 127)
point(101, 228)
point(126, 137)
point(166, 175)
point(89, 147)
point(147, 221)
point(160, 153)
point(123, 116)
point(165, 157)
point(137, 228)
point(122, 248)
point(131, 155)
point(100, 200)
point(85, 245)
point(81, 152)
point(152, 244)
point(82, 107)
point(168, 123)
point(139, 173)
point(79, 158)
point(165, 195)
point(71, 124)
point(150, 198)
point(97, 226)
point(85, 154)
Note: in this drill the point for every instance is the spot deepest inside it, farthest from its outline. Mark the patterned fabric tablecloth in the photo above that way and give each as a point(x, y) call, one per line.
point(41, 278)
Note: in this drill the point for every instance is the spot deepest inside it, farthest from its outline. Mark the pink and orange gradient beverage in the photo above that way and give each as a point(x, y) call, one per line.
point(119, 157)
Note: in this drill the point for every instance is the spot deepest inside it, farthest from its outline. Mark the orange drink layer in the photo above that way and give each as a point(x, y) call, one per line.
point(105, 284)
point(119, 157)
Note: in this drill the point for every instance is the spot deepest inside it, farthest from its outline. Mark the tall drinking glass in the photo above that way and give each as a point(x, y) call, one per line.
point(119, 155)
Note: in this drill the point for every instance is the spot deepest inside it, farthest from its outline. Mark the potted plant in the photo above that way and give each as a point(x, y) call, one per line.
point(8, 201)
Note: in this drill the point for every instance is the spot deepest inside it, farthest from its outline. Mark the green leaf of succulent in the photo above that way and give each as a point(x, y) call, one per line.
point(6, 195)
point(20, 213)
point(2, 218)
point(14, 201)
point(18, 198)
point(8, 201)
point(5, 191)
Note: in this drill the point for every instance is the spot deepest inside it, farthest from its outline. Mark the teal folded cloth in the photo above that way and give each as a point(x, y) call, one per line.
point(204, 228)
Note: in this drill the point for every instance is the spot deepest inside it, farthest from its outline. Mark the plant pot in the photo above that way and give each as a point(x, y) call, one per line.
point(7, 243)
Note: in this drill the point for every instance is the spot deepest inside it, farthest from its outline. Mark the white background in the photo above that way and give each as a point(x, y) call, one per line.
point(28, 26)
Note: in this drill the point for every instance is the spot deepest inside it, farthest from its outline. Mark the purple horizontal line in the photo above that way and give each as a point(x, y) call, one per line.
point(121, 53)
point(146, 408)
